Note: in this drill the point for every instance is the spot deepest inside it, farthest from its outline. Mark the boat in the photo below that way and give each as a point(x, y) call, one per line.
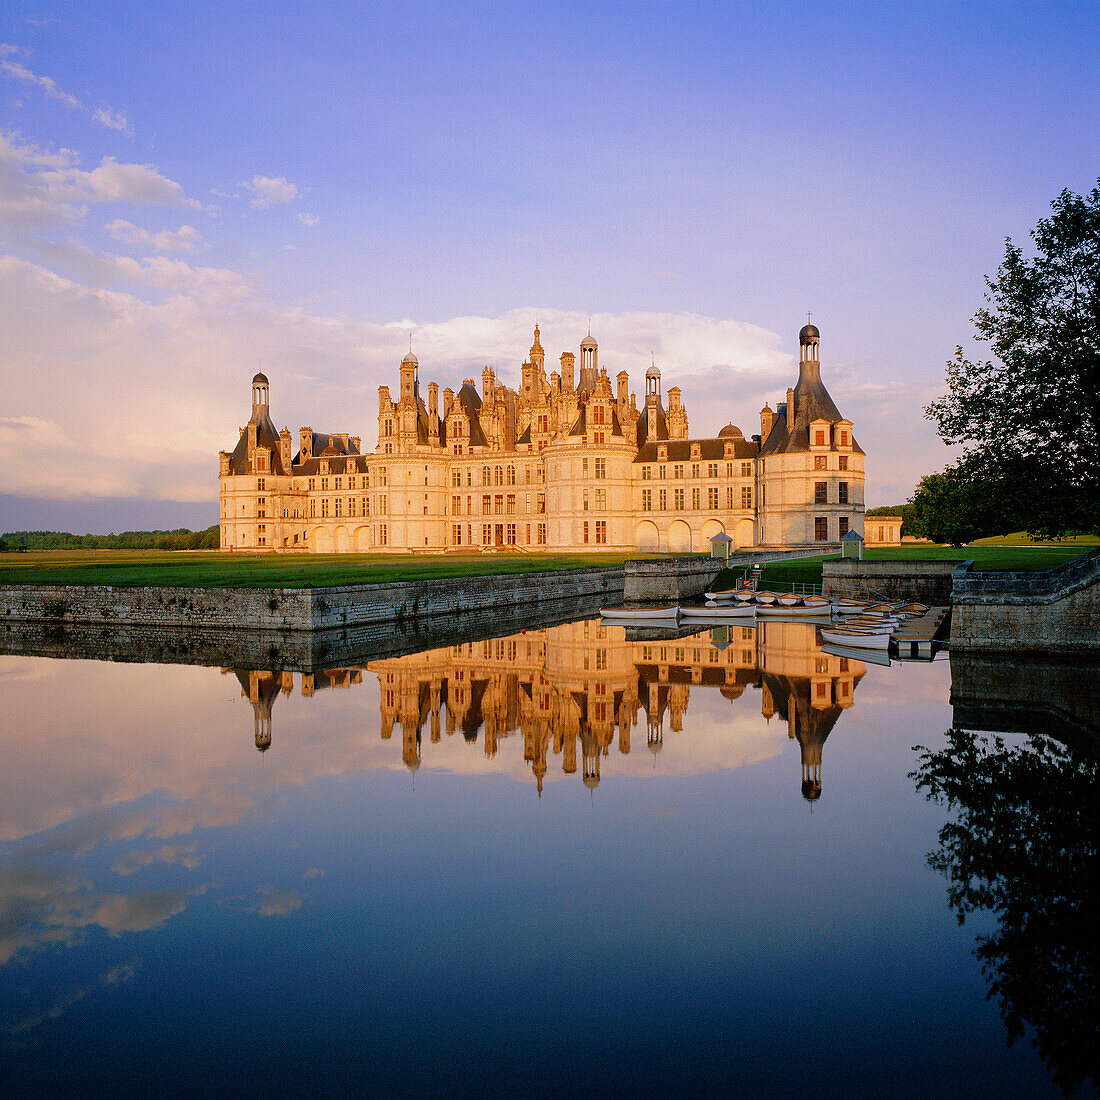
point(715, 612)
point(789, 599)
point(914, 609)
point(766, 597)
point(848, 607)
point(745, 594)
point(779, 611)
point(722, 597)
point(856, 639)
point(816, 601)
point(644, 614)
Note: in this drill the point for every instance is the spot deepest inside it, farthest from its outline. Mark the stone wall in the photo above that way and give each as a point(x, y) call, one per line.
point(298, 650)
point(282, 609)
point(1057, 611)
point(927, 581)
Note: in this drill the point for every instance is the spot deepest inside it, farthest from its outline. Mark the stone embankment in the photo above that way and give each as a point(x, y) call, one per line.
point(301, 609)
point(927, 581)
point(1057, 611)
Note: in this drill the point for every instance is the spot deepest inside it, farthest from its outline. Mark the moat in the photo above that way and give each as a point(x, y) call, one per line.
point(569, 857)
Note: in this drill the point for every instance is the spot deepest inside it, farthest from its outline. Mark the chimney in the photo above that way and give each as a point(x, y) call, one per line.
point(766, 418)
point(790, 409)
point(356, 443)
point(448, 401)
point(305, 443)
point(284, 449)
point(623, 379)
point(568, 359)
point(433, 398)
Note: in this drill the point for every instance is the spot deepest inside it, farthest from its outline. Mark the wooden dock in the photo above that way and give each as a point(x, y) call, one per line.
point(914, 639)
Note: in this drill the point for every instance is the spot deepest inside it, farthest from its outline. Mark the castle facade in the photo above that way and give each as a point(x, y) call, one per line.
point(564, 462)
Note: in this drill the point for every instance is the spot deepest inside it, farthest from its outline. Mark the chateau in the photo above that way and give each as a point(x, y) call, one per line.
point(562, 463)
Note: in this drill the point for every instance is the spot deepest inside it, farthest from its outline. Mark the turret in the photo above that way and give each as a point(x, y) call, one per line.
point(589, 363)
point(568, 359)
point(259, 396)
point(766, 418)
point(623, 380)
point(410, 382)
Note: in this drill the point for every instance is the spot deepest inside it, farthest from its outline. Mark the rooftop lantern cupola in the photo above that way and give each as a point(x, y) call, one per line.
point(653, 385)
point(259, 395)
point(589, 363)
point(808, 339)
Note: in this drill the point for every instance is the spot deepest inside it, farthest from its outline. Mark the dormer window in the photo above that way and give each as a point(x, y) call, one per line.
point(819, 437)
point(350, 466)
point(695, 450)
point(662, 453)
point(843, 441)
point(324, 466)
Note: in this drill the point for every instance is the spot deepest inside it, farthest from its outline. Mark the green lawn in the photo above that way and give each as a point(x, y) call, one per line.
point(986, 557)
point(137, 567)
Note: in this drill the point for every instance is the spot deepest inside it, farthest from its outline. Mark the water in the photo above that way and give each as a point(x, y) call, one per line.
point(556, 861)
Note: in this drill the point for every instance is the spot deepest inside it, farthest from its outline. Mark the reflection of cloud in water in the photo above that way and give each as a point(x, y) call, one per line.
point(39, 907)
point(277, 903)
point(116, 976)
point(169, 853)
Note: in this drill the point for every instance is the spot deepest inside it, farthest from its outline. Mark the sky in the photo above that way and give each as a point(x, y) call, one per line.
point(192, 192)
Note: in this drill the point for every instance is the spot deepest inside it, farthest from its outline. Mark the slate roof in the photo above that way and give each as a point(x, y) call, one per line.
point(811, 402)
point(267, 437)
point(679, 450)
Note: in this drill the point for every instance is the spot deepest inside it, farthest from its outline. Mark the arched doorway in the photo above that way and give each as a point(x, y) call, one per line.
point(646, 536)
point(362, 539)
point(711, 528)
point(744, 534)
point(343, 540)
point(679, 537)
point(322, 541)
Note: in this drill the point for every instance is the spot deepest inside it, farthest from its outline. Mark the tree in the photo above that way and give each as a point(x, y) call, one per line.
point(1029, 422)
point(957, 506)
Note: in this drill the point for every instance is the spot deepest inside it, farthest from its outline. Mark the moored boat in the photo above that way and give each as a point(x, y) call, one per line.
point(645, 614)
point(718, 613)
point(766, 598)
point(778, 611)
point(856, 639)
point(722, 597)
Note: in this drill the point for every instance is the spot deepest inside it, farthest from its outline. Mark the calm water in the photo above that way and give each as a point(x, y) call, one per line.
point(559, 860)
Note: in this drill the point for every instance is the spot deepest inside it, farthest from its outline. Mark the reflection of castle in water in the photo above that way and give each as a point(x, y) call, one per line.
point(578, 689)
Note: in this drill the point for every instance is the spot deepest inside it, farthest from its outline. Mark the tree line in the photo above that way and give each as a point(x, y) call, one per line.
point(178, 539)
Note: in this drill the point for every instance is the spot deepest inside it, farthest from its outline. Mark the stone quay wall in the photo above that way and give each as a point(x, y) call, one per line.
point(300, 609)
point(926, 581)
point(1057, 611)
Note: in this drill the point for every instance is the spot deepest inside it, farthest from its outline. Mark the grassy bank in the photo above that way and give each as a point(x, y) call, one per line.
point(987, 556)
point(124, 568)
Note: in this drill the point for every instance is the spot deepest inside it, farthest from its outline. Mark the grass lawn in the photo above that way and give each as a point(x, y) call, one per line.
point(987, 556)
point(181, 567)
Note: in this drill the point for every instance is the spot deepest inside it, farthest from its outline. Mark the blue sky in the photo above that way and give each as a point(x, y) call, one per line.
point(187, 191)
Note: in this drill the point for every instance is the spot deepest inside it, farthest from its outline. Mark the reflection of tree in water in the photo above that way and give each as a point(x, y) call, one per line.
point(1024, 846)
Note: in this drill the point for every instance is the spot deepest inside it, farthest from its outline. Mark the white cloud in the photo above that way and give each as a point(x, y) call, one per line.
point(113, 120)
point(20, 72)
point(7, 49)
point(308, 219)
point(41, 187)
point(184, 239)
point(270, 191)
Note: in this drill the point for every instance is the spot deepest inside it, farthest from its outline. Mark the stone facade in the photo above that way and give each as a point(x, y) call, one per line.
point(564, 462)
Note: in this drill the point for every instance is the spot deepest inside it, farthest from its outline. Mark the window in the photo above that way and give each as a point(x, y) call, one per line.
point(351, 506)
point(498, 504)
point(695, 471)
point(456, 534)
point(678, 500)
point(511, 534)
point(729, 498)
point(584, 467)
point(662, 500)
point(695, 495)
point(843, 461)
point(746, 496)
point(601, 531)
point(821, 462)
point(584, 501)
point(729, 469)
point(712, 469)
point(843, 528)
point(324, 484)
point(498, 475)
point(338, 484)
point(678, 470)
point(821, 492)
point(365, 502)
point(261, 484)
point(486, 475)
point(528, 504)
point(540, 502)
point(486, 504)
point(312, 484)
point(382, 535)
point(339, 507)
point(843, 439)
point(647, 500)
point(746, 469)
point(661, 472)
point(456, 506)
point(528, 539)
point(601, 467)
point(601, 500)
point(511, 475)
point(586, 530)
point(510, 504)
point(456, 479)
point(819, 438)
point(647, 473)
point(842, 490)
point(712, 498)
point(312, 509)
point(542, 534)
point(324, 508)
point(598, 415)
point(821, 529)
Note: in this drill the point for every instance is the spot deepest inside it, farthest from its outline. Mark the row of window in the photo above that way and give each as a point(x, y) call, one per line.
point(821, 462)
point(679, 499)
point(821, 528)
point(497, 534)
point(660, 473)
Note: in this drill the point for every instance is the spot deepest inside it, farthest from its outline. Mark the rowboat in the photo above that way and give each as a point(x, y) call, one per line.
point(870, 656)
point(778, 611)
point(716, 613)
point(643, 614)
point(722, 597)
point(766, 597)
point(788, 599)
point(914, 609)
point(856, 639)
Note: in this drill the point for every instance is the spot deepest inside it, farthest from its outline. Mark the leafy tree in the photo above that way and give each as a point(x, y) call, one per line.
point(956, 506)
point(1029, 422)
point(1023, 843)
